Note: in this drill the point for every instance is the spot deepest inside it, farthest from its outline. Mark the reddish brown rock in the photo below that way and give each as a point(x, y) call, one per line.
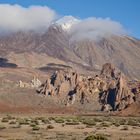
point(118, 95)
point(108, 71)
point(110, 89)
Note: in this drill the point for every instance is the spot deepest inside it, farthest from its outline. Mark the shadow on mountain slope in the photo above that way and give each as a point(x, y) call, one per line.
point(4, 63)
point(54, 67)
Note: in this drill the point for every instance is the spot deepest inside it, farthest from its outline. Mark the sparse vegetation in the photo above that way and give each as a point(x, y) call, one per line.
point(72, 123)
point(59, 120)
point(50, 127)
point(45, 121)
point(35, 121)
point(32, 124)
point(96, 137)
point(36, 126)
point(23, 122)
point(5, 120)
point(2, 127)
point(12, 122)
point(125, 128)
point(132, 122)
point(105, 124)
point(89, 122)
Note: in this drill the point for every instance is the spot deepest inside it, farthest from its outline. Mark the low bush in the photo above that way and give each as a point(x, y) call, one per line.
point(50, 127)
point(132, 122)
point(96, 137)
point(36, 128)
point(35, 121)
point(2, 127)
point(122, 121)
point(12, 122)
point(72, 123)
point(89, 122)
point(125, 128)
point(59, 120)
point(23, 122)
point(104, 124)
point(5, 120)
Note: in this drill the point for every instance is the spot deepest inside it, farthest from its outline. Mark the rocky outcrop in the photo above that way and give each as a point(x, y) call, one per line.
point(34, 83)
point(118, 95)
point(87, 90)
point(23, 84)
point(110, 88)
point(72, 87)
point(108, 71)
point(59, 84)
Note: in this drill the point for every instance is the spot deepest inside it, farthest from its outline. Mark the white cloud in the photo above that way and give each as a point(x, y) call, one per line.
point(96, 28)
point(16, 17)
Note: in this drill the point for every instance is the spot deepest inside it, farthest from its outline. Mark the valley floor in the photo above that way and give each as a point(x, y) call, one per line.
point(68, 127)
point(29, 117)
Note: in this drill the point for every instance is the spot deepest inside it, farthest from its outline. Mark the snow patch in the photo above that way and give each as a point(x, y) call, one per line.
point(67, 22)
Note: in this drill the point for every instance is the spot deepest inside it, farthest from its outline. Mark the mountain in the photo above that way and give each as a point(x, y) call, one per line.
point(32, 49)
point(66, 22)
point(122, 51)
point(29, 56)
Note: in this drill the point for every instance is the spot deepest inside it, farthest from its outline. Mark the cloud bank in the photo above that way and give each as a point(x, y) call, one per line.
point(96, 28)
point(15, 18)
point(18, 18)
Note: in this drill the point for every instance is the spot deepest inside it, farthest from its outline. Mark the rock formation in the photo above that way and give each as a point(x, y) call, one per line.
point(59, 83)
point(108, 71)
point(35, 83)
point(23, 84)
point(118, 94)
point(110, 89)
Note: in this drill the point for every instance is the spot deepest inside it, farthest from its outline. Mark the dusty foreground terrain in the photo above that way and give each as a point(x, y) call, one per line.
point(67, 127)
point(35, 116)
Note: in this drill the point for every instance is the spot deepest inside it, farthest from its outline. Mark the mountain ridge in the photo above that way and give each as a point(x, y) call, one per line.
point(122, 51)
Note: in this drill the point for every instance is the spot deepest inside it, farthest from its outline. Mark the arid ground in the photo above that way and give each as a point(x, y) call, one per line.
point(68, 127)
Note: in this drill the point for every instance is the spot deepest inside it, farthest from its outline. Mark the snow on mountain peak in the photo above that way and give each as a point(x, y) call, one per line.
point(67, 22)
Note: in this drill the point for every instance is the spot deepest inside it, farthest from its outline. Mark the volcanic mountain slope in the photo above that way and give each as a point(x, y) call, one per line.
point(85, 54)
point(119, 50)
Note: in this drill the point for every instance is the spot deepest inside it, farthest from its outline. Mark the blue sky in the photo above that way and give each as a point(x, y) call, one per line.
point(127, 12)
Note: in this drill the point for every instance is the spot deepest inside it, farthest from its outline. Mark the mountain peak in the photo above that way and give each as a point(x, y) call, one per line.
point(67, 22)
